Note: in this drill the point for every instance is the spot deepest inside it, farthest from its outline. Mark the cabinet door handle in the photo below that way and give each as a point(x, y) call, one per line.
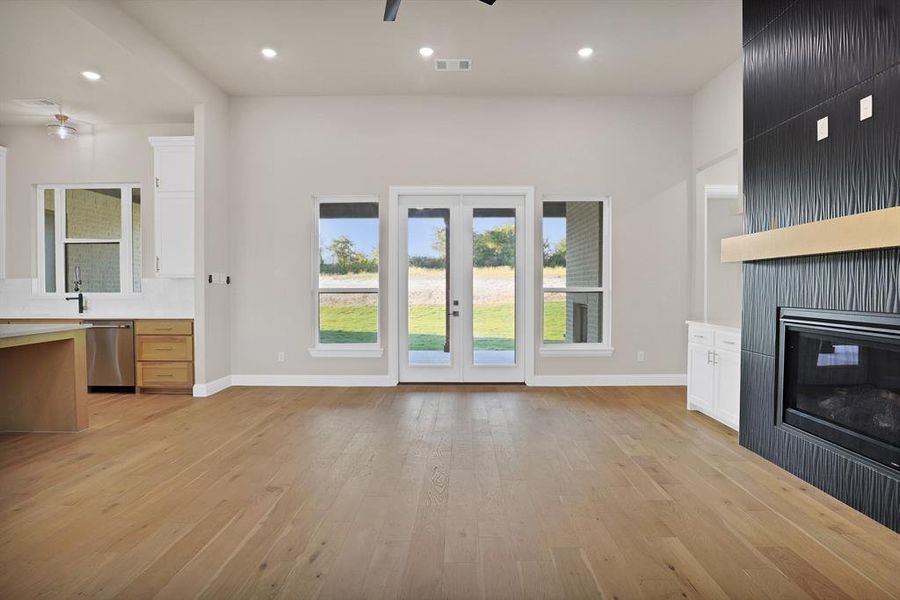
point(157, 264)
point(157, 183)
point(708, 357)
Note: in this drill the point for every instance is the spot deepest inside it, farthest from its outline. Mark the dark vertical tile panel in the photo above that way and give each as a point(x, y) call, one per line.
point(847, 52)
point(757, 419)
point(814, 50)
point(773, 163)
point(817, 58)
point(850, 281)
point(760, 305)
point(794, 139)
point(837, 173)
point(754, 185)
point(757, 14)
point(886, 39)
point(885, 175)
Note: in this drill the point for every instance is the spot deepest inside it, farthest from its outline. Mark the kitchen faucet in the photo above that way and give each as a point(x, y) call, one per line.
point(80, 298)
point(76, 283)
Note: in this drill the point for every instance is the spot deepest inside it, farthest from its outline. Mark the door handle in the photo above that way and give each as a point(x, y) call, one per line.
point(455, 313)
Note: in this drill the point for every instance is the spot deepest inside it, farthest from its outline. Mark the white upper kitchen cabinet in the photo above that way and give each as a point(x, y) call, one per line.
point(173, 163)
point(173, 202)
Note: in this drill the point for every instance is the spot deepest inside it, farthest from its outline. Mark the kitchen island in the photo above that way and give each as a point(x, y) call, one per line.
point(43, 377)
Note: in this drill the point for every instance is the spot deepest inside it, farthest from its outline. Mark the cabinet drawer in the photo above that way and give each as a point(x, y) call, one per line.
point(728, 340)
point(165, 347)
point(166, 375)
point(699, 335)
point(160, 327)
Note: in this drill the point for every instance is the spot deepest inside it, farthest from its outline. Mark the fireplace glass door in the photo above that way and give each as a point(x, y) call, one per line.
point(841, 382)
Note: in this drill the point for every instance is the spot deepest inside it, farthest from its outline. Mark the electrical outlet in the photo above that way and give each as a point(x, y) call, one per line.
point(281, 357)
point(640, 356)
point(822, 129)
point(865, 108)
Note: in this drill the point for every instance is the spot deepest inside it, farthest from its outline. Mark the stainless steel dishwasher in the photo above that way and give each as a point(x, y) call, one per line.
point(110, 354)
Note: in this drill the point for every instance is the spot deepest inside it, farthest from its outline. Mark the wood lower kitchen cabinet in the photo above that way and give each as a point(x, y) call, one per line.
point(164, 354)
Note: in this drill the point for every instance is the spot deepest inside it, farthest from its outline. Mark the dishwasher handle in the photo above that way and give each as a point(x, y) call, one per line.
point(110, 326)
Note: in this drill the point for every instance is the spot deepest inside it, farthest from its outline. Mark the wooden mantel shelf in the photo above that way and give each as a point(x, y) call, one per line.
point(864, 231)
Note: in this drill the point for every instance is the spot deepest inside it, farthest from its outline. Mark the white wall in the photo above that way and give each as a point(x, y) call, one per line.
point(718, 116)
point(284, 150)
point(717, 131)
point(211, 253)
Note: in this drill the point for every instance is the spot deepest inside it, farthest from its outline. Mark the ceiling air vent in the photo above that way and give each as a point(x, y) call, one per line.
point(36, 103)
point(452, 64)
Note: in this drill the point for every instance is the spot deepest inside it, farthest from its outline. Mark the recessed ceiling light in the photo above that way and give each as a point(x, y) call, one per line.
point(269, 53)
point(425, 51)
point(91, 75)
point(585, 52)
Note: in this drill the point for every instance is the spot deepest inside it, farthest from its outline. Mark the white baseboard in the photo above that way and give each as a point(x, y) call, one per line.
point(607, 380)
point(201, 390)
point(208, 389)
point(314, 380)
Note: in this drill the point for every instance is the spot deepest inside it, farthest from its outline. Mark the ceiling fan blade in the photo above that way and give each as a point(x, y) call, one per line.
point(390, 10)
point(490, 2)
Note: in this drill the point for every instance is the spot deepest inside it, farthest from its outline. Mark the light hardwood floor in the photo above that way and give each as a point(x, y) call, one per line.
point(421, 492)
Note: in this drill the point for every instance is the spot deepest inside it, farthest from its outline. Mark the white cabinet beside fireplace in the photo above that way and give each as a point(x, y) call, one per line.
point(714, 371)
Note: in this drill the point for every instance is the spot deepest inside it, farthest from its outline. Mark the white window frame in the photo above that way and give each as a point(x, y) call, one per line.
point(126, 281)
point(570, 349)
point(2, 212)
point(367, 350)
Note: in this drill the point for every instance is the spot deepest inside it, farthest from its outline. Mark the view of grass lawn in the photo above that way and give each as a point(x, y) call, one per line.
point(494, 325)
point(494, 315)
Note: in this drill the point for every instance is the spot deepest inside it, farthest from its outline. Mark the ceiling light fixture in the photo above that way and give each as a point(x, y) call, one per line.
point(269, 53)
point(91, 75)
point(585, 52)
point(61, 129)
point(425, 51)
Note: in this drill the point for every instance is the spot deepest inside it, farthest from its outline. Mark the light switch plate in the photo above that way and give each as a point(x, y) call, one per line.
point(822, 129)
point(865, 108)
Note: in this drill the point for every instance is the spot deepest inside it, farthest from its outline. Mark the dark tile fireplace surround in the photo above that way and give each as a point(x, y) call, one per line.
point(804, 60)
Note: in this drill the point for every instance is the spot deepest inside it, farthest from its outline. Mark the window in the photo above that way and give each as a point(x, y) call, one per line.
point(90, 238)
point(576, 277)
point(346, 277)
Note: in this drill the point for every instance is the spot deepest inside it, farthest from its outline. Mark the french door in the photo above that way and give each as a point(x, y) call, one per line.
point(461, 288)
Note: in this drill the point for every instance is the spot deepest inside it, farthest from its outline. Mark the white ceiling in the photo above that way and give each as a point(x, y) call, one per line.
point(44, 46)
point(333, 47)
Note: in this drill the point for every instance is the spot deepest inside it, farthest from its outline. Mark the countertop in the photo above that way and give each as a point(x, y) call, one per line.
point(91, 316)
point(715, 324)
point(11, 331)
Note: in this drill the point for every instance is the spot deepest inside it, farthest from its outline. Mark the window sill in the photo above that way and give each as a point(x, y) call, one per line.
point(352, 352)
point(576, 350)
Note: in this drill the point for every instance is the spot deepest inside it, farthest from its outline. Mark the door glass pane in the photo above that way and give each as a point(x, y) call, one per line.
point(49, 242)
point(348, 318)
point(94, 214)
point(573, 242)
point(428, 273)
point(494, 286)
point(95, 266)
point(573, 317)
point(348, 245)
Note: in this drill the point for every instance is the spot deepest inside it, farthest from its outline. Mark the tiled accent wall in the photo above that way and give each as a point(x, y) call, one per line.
point(803, 60)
